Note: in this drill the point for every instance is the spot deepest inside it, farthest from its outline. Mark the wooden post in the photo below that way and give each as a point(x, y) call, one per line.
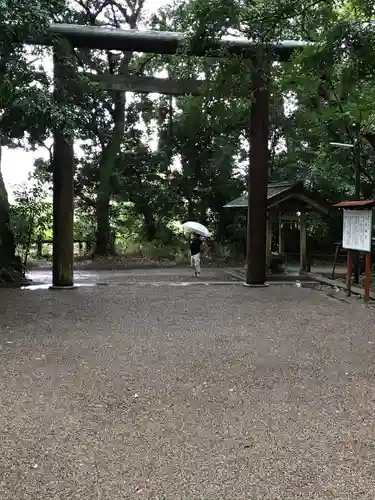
point(258, 174)
point(281, 237)
point(367, 277)
point(349, 274)
point(337, 253)
point(357, 196)
point(268, 243)
point(63, 172)
point(303, 243)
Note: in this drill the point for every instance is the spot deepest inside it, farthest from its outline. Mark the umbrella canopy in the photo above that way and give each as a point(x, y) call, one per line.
point(195, 227)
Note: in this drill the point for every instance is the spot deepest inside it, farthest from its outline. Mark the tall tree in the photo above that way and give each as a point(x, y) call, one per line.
point(105, 127)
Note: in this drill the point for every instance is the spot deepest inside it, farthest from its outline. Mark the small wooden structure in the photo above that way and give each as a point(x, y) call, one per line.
point(287, 203)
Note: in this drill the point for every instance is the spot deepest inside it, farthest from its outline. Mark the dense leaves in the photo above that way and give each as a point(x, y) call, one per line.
point(30, 218)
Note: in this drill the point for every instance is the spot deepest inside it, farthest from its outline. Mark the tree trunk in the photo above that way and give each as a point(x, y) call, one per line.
point(29, 239)
point(7, 246)
point(103, 233)
point(10, 266)
point(39, 249)
point(109, 157)
point(150, 223)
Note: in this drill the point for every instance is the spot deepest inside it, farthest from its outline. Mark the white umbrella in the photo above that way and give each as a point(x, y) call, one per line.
point(195, 227)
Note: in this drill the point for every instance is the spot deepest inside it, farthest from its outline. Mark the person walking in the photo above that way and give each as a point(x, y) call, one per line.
point(195, 252)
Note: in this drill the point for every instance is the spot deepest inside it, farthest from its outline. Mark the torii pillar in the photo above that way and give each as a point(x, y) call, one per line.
point(63, 176)
point(258, 174)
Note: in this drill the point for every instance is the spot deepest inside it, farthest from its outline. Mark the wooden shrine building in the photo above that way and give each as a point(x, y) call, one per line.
point(287, 203)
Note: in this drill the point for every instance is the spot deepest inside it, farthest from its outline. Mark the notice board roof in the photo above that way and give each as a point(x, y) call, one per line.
point(356, 204)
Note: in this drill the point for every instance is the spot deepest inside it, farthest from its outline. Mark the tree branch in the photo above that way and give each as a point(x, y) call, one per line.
point(132, 18)
point(86, 199)
point(84, 59)
point(93, 15)
point(349, 132)
point(123, 11)
point(48, 148)
point(144, 63)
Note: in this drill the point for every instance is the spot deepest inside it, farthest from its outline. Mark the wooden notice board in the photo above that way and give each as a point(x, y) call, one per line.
point(357, 229)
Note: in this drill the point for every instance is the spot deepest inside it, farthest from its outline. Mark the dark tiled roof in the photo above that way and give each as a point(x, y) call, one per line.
point(280, 191)
point(274, 189)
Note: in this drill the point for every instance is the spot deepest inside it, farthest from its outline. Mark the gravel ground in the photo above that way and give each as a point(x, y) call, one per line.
point(215, 392)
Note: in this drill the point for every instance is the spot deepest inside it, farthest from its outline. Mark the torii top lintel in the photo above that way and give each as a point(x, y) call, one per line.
point(158, 42)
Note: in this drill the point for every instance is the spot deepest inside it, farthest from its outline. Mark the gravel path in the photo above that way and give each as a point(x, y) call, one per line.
point(136, 275)
point(216, 392)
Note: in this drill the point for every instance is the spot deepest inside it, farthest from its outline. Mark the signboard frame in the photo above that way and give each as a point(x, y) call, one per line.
point(363, 244)
point(357, 230)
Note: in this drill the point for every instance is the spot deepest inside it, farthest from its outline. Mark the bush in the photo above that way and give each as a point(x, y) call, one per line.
point(156, 251)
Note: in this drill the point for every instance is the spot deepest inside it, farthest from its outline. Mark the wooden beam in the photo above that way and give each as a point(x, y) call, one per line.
point(152, 42)
point(150, 85)
point(319, 207)
point(286, 218)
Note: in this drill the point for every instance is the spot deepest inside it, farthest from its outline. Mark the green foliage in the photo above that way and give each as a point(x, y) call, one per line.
point(30, 218)
point(25, 102)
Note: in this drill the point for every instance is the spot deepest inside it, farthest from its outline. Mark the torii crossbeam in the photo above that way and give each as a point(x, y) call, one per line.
point(157, 42)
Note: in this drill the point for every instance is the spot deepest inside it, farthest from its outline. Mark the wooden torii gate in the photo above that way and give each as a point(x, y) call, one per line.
point(63, 37)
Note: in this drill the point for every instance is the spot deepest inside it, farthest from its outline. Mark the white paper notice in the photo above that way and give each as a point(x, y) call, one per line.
point(357, 229)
